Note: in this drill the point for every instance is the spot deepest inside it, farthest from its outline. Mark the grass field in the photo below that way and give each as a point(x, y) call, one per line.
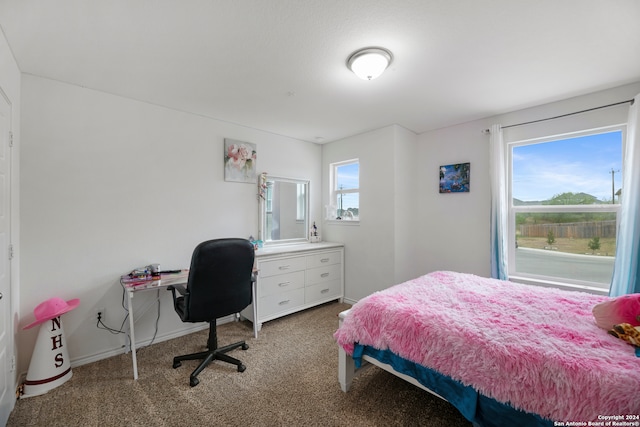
point(572, 246)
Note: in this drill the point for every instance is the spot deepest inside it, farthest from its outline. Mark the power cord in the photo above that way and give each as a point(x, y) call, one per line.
point(157, 319)
point(101, 325)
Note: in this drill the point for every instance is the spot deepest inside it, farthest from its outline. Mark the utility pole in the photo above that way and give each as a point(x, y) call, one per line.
point(340, 210)
point(613, 190)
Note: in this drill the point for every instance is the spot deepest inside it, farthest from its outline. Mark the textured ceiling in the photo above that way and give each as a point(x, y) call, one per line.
point(279, 65)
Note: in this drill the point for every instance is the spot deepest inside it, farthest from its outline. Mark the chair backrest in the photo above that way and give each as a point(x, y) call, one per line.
point(219, 281)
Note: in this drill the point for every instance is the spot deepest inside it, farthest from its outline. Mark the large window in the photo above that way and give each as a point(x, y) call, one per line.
point(564, 196)
point(345, 191)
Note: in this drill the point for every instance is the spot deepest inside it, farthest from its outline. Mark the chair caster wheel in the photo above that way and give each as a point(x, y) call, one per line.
point(176, 364)
point(194, 382)
point(244, 346)
point(241, 368)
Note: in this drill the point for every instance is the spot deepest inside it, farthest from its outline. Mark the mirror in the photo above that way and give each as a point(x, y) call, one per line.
point(284, 210)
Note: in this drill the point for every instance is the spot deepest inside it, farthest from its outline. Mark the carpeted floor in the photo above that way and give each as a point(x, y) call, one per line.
point(291, 380)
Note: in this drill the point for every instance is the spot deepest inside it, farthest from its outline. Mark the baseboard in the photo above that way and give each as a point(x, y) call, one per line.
point(350, 301)
point(140, 344)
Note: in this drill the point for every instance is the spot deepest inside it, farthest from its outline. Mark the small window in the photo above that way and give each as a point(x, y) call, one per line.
point(565, 194)
point(345, 191)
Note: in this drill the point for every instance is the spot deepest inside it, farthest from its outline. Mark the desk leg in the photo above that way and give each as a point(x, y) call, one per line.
point(132, 336)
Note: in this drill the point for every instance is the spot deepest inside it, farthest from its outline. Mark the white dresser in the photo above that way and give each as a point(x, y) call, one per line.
point(295, 277)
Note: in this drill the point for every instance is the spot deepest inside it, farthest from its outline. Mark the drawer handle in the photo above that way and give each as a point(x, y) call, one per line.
point(324, 260)
point(284, 302)
point(284, 284)
point(284, 267)
point(324, 291)
point(324, 275)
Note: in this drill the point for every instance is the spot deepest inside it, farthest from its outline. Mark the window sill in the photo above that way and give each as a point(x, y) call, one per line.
point(342, 222)
point(559, 285)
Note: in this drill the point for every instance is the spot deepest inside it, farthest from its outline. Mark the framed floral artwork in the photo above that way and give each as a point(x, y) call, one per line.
point(239, 161)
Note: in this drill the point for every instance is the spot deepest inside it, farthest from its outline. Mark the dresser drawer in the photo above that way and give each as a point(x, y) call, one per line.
point(322, 291)
point(280, 283)
point(295, 277)
point(280, 266)
point(323, 274)
point(326, 258)
point(280, 302)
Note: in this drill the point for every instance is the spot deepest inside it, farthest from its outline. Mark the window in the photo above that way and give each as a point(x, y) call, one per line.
point(565, 193)
point(345, 191)
point(301, 201)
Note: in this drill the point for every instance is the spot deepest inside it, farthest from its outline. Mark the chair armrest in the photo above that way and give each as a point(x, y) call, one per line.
point(178, 301)
point(178, 287)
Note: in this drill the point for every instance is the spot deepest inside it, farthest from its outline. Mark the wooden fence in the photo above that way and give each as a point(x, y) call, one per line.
point(575, 230)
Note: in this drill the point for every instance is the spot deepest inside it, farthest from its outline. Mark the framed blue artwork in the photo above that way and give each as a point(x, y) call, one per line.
point(455, 178)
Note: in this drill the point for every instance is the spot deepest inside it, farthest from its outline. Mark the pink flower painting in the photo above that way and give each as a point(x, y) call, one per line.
point(239, 161)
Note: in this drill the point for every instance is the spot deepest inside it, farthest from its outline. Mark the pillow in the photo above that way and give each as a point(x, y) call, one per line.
point(622, 309)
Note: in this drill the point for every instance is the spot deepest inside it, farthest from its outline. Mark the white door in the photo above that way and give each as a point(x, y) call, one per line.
point(7, 396)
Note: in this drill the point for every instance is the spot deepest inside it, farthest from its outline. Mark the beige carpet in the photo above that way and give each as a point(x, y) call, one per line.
point(291, 380)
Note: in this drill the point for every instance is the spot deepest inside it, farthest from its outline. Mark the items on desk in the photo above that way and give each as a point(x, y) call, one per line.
point(257, 244)
point(148, 272)
point(149, 275)
point(142, 275)
point(139, 273)
point(154, 269)
point(314, 234)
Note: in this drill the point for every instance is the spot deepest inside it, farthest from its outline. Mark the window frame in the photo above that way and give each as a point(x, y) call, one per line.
point(335, 192)
point(512, 211)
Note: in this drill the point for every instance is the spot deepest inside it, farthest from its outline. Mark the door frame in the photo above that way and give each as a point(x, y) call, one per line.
point(12, 376)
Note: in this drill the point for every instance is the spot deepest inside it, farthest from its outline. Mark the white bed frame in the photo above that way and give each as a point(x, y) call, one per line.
point(347, 369)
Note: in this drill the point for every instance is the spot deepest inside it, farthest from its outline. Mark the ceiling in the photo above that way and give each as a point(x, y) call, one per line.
point(279, 65)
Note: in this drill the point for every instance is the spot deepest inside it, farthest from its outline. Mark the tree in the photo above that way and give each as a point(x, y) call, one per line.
point(551, 238)
point(570, 198)
point(594, 244)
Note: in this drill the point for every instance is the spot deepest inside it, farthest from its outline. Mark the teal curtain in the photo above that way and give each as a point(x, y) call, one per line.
point(627, 264)
point(497, 167)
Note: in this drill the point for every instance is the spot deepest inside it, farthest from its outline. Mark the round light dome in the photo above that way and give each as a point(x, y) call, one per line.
point(369, 63)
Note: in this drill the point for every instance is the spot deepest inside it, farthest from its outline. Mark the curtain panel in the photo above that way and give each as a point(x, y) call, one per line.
point(497, 167)
point(626, 267)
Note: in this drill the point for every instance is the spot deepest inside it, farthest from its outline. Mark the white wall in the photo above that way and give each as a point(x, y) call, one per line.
point(407, 169)
point(109, 184)
point(454, 230)
point(10, 86)
point(371, 249)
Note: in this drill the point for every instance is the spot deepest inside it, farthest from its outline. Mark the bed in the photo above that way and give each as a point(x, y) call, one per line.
point(502, 353)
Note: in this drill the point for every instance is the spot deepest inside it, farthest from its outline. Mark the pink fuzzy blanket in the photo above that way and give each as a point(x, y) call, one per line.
point(537, 349)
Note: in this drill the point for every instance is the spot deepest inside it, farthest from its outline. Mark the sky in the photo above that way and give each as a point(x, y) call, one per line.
point(578, 165)
point(349, 177)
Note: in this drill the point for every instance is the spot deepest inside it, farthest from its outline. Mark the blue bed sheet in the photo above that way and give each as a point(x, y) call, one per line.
point(475, 407)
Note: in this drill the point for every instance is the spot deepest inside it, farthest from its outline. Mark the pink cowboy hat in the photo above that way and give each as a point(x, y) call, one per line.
point(52, 308)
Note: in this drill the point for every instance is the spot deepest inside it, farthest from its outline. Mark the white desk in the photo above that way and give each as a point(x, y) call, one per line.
point(133, 286)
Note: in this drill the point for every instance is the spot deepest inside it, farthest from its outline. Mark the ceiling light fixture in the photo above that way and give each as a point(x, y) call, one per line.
point(370, 62)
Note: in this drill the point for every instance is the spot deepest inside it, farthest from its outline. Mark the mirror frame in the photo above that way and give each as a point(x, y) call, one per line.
point(262, 214)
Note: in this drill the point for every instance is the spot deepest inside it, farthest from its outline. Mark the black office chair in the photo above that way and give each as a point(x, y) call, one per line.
point(219, 284)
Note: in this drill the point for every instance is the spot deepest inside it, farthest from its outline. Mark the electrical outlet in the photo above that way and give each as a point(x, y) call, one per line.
point(101, 311)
